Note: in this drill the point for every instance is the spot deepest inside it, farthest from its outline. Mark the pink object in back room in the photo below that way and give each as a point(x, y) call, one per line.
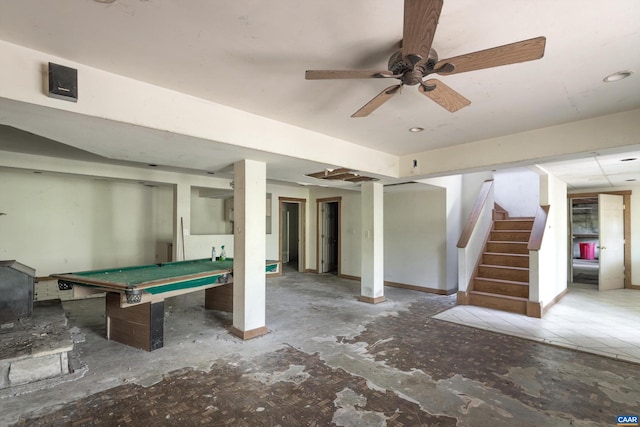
point(587, 250)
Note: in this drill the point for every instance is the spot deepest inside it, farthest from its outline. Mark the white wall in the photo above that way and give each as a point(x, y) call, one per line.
point(550, 263)
point(518, 191)
point(415, 237)
point(421, 223)
point(415, 234)
point(207, 215)
point(61, 223)
point(79, 213)
point(635, 225)
point(56, 223)
point(198, 244)
point(454, 223)
point(471, 185)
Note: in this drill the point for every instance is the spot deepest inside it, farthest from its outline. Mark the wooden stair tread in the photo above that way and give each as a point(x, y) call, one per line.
point(505, 259)
point(508, 282)
point(504, 254)
point(512, 231)
point(511, 224)
point(512, 235)
point(506, 267)
point(500, 296)
point(522, 232)
point(507, 247)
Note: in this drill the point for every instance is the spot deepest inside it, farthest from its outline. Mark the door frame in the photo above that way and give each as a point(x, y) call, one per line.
point(626, 200)
point(319, 203)
point(302, 225)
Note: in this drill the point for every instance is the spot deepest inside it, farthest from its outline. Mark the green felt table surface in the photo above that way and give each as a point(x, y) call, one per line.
point(149, 273)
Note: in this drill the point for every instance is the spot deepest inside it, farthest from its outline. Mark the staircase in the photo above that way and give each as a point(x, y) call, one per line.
point(502, 278)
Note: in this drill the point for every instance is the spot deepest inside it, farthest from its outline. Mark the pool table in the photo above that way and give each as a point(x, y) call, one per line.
point(134, 303)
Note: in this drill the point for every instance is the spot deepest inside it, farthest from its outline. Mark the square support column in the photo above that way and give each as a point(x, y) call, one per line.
point(249, 240)
point(372, 264)
point(181, 219)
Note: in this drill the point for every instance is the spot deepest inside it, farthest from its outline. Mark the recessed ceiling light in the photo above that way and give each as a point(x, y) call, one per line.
point(617, 76)
point(629, 159)
point(416, 129)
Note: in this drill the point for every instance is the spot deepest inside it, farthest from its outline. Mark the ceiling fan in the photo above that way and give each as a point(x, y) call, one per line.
point(417, 59)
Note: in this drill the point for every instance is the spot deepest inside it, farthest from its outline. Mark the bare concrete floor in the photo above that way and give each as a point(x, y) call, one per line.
point(328, 360)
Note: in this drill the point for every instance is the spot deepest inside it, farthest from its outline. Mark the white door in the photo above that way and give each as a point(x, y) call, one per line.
point(611, 219)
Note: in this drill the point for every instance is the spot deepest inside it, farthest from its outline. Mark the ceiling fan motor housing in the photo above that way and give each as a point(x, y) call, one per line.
point(412, 75)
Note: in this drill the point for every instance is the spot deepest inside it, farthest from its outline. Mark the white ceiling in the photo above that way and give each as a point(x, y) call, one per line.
point(608, 170)
point(252, 55)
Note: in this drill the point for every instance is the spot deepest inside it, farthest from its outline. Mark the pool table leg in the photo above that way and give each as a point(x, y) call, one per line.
point(219, 298)
point(140, 326)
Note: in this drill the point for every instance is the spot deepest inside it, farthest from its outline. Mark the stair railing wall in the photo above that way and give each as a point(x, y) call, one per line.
point(474, 236)
point(537, 255)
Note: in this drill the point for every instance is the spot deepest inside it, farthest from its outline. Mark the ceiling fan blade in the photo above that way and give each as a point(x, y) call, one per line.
point(379, 99)
point(522, 51)
point(443, 95)
point(420, 21)
point(346, 74)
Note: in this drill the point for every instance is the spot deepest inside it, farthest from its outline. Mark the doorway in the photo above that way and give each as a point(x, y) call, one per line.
point(585, 233)
point(599, 241)
point(292, 233)
point(329, 236)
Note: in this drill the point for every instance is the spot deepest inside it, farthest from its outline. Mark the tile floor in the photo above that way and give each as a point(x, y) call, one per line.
point(603, 323)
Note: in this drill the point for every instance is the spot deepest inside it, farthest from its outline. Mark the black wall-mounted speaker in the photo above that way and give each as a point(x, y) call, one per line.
point(63, 82)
